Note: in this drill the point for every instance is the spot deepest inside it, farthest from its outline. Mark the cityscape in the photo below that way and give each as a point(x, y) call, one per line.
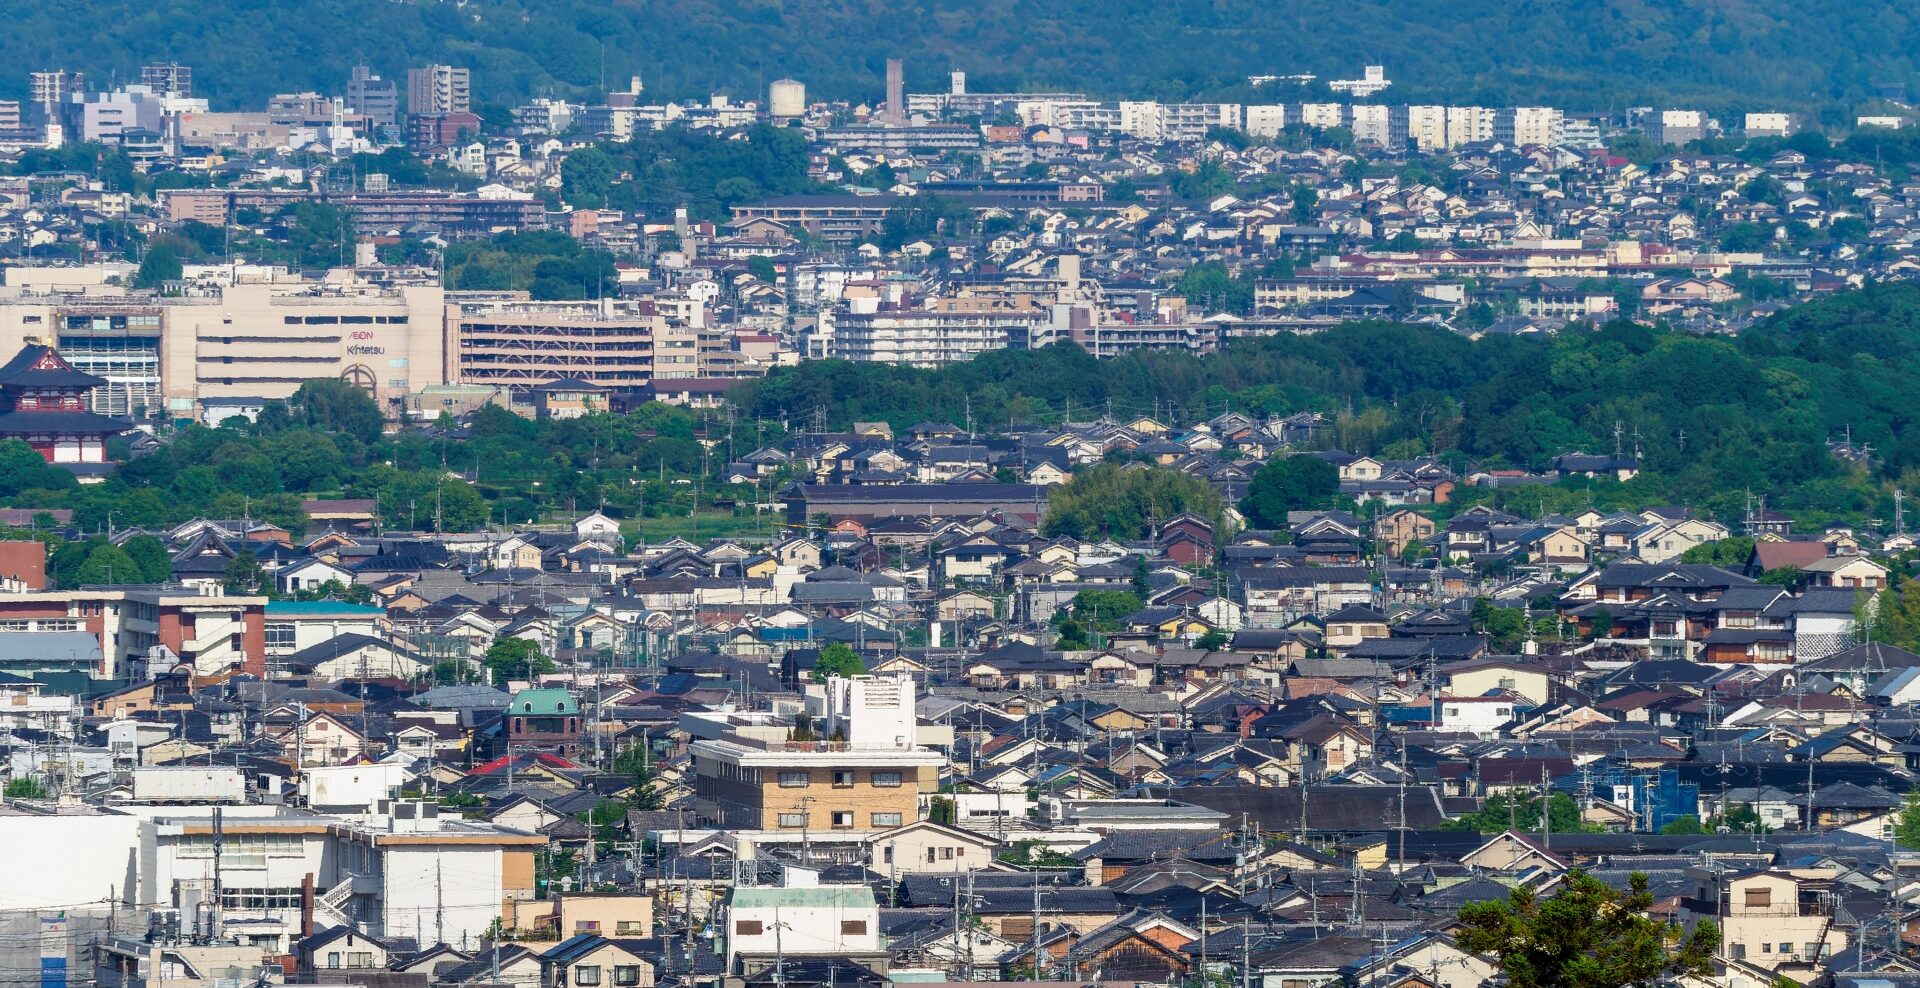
point(456, 533)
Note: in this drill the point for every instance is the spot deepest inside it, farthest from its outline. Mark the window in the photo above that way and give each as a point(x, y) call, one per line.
point(333, 958)
point(1766, 948)
point(628, 928)
point(1786, 948)
point(886, 819)
point(793, 780)
point(747, 928)
point(793, 819)
point(1759, 898)
point(853, 927)
point(946, 854)
point(843, 819)
point(887, 780)
point(1814, 951)
point(280, 635)
point(586, 974)
point(842, 779)
point(930, 855)
point(626, 974)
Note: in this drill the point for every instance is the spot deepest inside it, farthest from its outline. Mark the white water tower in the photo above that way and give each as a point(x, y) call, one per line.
point(786, 99)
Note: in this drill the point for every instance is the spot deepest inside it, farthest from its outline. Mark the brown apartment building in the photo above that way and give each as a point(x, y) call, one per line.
point(762, 771)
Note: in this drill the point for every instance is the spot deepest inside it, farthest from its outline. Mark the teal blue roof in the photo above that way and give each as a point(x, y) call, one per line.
point(543, 701)
point(314, 608)
point(804, 897)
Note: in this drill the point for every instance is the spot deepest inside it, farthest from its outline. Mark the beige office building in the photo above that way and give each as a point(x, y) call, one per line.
point(516, 344)
point(263, 340)
point(258, 340)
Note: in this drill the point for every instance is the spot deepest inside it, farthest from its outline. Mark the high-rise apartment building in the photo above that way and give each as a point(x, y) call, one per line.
point(171, 78)
point(896, 90)
point(438, 90)
point(378, 99)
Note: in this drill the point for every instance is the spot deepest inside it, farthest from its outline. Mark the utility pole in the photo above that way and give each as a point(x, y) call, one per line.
point(1036, 925)
point(219, 842)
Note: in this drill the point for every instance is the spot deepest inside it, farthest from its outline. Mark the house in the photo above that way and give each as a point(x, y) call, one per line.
point(801, 921)
point(925, 846)
point(589, 959)
point(342, 948)
point(1778, 920)
point(1395, 530)
point(311, 574)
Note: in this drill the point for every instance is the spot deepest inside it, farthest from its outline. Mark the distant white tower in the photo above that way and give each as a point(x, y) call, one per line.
point(786, 99)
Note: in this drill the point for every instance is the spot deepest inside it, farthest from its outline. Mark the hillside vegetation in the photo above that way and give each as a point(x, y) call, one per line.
point(1712, 418)
point(1582, 54)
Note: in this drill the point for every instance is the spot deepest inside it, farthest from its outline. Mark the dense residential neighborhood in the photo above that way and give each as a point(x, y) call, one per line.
point(964, 537)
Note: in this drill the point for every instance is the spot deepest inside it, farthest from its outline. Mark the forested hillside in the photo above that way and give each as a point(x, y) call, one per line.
point(1582, 54)
point(1711, 418)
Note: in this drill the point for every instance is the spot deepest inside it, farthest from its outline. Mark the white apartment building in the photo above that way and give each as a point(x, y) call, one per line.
point(1420, 127)
point(1266, 120)
point(1769, 124)
point(1321, 115)
point(1677, 126)
point(1370, 122)
point(923, 338)
point(1469, 125)
point(1523, 125)
point(402, 871)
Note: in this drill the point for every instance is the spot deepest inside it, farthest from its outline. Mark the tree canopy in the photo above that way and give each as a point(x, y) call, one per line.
point(1111, 500)
point(1586, 935)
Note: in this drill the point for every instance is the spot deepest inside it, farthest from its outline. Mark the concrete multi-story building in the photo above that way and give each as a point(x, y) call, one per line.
point(544, 116)
point(1469, 125)
point(1421, 127)
point(378, 99)
point(168, 77)
point(1519, 126)
point(252, 340)
point(1266, 120)
point(896, 334)
point(516, 344)
point(1772, 124)
point(1370, 122)
point(438, 90)
point(751, 770)
point(212, 631)
point(1676, 126)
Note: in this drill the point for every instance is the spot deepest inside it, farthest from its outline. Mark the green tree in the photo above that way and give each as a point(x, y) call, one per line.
point(161, 265)
point(1112, 501)
point(838, 659)
point(27, 787)
point(1687, 824)
point(1289, 483)
point(1587, 935)
point(1505, 811)
point(108, 565)
point(762, 268)
point(151, 556)
point(336, 406)
point(587, 177)
point(1906, 830)
point(244, 574)
point(1732, 551)
point(515, 658)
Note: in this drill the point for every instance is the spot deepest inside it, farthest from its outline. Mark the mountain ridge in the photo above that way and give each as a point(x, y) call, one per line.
point(1578, 54)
